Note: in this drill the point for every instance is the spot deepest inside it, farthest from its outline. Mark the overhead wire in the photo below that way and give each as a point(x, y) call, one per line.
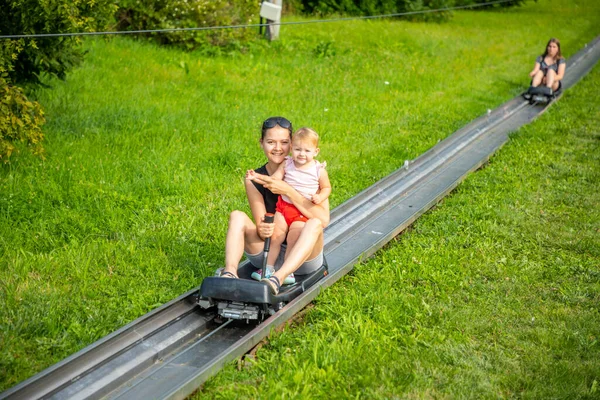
point(206, 28)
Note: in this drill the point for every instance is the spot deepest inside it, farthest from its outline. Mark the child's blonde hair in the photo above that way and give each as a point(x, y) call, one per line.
point(306, 134)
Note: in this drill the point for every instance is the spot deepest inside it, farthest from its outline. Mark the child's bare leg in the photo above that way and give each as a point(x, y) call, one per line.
point(277, 239)
point(305, 241)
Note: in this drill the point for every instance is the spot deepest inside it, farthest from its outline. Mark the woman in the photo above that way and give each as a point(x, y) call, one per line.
point(304, 252)
point(549, 67)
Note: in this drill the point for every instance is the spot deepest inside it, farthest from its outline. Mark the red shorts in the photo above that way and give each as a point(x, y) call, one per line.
point(289, 212)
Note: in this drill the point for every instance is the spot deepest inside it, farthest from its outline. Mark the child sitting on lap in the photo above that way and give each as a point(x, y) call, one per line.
point(305, 174)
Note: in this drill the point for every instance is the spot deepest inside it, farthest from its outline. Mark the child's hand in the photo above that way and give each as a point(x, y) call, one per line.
point(316, 199)
point(250, 174)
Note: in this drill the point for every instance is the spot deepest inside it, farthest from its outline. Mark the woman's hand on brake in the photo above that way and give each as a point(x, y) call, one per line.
point(265, 229)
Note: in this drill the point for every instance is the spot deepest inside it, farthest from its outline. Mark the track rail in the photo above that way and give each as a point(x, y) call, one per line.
point(169, 352)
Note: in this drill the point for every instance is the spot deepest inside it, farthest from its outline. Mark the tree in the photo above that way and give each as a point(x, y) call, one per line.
point(27, 59)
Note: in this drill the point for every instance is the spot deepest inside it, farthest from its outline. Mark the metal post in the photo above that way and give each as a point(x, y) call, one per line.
point(275, 28)
point(271, 11)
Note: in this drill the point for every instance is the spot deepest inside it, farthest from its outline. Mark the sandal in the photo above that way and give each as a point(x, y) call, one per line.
point(227, 274)
point(273, 284)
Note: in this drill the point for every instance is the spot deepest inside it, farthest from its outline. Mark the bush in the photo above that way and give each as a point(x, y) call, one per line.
point(167, 14)
point(21, 121)
point(374, 7)
point(26, 59)
point(382, 7)
point(506, 4)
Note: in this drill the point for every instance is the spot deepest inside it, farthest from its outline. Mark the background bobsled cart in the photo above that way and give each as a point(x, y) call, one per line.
point(541, 94)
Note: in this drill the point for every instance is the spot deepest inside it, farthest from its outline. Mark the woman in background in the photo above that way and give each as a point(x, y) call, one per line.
point(550, 67)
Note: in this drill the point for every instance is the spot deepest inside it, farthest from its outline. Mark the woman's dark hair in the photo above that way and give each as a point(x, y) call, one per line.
point(553, 40)
point(273, 122)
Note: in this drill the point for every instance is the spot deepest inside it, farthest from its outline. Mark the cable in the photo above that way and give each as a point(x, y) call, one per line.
point(205, 28)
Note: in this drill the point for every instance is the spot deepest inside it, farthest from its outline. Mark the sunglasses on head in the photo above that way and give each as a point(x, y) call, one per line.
point(274, 121)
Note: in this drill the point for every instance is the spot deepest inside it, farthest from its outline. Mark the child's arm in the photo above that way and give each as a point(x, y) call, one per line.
point(280, 173)
point(324, 188)
point(252, 175)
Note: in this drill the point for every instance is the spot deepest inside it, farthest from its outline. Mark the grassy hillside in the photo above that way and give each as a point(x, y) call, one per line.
point(146, 150)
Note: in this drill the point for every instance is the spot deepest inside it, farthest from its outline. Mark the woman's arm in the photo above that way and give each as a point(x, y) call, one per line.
point(561, 71)
point(258, 208)
point(536, 69)
point(310, 209)
point(305, 206)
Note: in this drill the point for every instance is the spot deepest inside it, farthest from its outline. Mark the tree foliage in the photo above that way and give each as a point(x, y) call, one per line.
point(504, 4)
point(21, 121)
point(382, 7)
point(27, 59)
point(167, 14)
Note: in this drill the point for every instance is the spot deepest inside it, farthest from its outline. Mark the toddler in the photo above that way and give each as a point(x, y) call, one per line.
point(305, 174)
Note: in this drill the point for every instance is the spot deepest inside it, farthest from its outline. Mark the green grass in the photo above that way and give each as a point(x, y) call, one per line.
point(147, 148)
point(494, 294)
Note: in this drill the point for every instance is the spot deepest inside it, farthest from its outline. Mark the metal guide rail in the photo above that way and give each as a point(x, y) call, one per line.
point(171, 351)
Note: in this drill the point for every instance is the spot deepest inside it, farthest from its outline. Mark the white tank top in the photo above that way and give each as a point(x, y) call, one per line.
point(306, 182)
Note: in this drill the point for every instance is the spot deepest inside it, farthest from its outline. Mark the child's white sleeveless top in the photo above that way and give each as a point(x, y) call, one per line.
point(306, 182)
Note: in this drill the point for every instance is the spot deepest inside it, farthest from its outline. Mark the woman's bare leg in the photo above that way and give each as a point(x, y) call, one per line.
point(241, 235)
point(550, 78)
point(305, 242)
point(537, 79)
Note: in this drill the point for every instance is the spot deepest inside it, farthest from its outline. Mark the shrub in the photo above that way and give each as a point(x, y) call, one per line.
point(382, 7)
point(167, 14)
point(21, 121)
point(374, 7)
point(27, 59)
point(506, 4)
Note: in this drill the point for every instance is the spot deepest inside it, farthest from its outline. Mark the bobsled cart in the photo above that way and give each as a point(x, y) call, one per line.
point(541, 94)
point(248, 299)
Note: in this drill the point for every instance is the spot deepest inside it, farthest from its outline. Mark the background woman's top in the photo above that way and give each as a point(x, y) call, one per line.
point(545, 67)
